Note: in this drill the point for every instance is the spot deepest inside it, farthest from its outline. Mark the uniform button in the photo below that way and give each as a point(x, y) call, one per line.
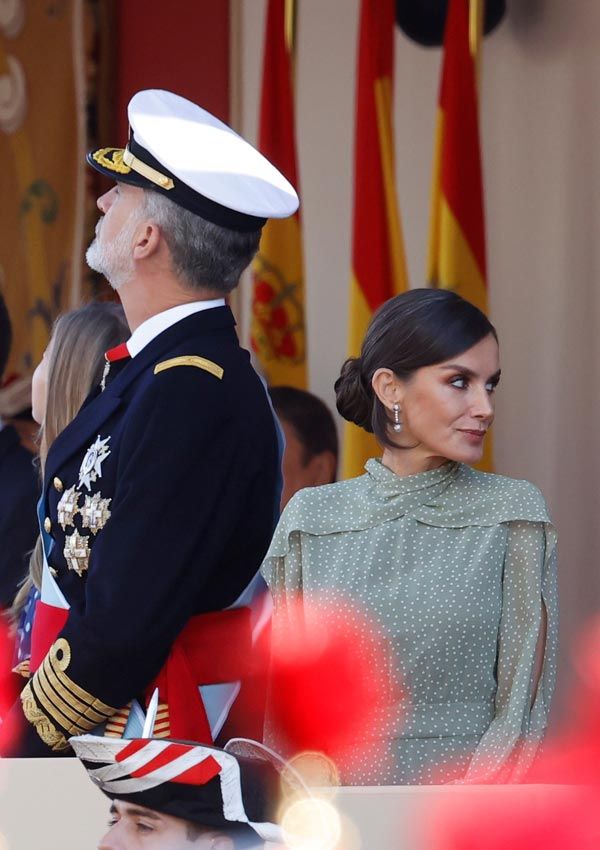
point(58, 485)
point(47, 525)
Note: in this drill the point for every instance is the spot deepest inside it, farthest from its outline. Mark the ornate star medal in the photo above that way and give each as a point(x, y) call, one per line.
point(91, 466)
point(95, 512)
point(67, 507)
point(77, 552)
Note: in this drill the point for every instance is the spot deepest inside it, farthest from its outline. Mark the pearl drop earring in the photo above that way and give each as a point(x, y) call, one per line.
point(397, 423)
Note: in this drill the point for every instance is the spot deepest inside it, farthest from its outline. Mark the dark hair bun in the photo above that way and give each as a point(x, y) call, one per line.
point(353, 397)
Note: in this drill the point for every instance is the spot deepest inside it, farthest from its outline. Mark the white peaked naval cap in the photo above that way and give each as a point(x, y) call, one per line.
point(182, 151)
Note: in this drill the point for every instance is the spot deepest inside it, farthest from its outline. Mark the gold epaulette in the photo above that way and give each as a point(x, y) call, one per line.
point(191, 360)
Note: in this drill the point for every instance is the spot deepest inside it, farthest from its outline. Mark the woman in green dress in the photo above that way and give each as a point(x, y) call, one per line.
point(457, 566)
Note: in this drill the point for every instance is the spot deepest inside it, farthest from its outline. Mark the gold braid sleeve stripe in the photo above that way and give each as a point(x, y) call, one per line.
point(55, 664)
point(162, 724)
point(52, 697)
point(191, 360)
point(73, 710)
point(22, 669)
point(115, 727)
point(42, 725)
point(52, 711)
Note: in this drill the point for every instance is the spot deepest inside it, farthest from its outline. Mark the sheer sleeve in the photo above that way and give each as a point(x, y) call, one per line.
point(528, 631)
point(282, 570)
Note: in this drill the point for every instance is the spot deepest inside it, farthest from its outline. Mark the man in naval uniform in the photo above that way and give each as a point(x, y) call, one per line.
point(159, 497)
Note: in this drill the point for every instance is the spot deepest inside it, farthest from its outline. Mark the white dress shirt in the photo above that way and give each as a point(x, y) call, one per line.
point(155, 325)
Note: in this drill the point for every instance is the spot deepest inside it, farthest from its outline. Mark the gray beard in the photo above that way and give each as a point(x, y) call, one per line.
point(107, 263)
point(113, 261)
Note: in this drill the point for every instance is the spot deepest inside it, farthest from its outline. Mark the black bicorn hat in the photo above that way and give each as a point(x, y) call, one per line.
point(183, 152)
point(213, 788)
point(424, 21)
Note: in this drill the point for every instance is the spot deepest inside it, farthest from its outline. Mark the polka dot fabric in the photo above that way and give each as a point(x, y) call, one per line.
point(458, 568)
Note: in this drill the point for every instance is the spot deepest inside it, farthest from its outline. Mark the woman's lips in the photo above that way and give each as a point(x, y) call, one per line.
point(473, 434)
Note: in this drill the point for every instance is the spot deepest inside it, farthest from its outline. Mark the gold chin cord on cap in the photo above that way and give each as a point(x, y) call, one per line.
point(147, 171)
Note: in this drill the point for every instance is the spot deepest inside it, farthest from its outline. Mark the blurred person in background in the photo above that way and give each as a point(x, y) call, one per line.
point(70, 369)
point(457, 566)
point(19, 489)
point(311, 441)
point(15, 410)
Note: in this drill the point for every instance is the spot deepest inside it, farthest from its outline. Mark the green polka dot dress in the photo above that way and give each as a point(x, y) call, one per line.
point(458, 567)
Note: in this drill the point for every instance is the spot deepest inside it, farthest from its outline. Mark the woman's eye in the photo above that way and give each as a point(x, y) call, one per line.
point(144, 827)
point(459, 382)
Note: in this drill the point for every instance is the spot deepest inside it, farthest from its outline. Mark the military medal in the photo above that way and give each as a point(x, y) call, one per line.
point(91, 466)
point(67, 507)
point(77, 552)
point(95, 512)
point(105, 375)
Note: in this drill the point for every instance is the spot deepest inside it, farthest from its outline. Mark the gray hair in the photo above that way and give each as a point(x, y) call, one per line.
point(204, 255)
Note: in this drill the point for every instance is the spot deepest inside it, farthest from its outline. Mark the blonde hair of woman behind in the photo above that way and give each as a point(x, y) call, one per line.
point(78, 343)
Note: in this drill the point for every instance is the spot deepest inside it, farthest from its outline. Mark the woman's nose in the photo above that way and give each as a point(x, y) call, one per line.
point(483, 407)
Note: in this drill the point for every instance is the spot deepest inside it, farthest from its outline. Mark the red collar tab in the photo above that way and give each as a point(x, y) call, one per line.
point(119, 352)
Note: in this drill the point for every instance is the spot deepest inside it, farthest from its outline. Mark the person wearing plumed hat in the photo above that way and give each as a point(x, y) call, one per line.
point(160, 496)
point(170, 794)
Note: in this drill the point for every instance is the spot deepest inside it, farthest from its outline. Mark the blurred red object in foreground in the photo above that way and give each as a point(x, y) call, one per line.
point(8, 688)
point(562, 812)
point(329, 681)
point(575, 758)
point(546, 818)
point(9, 682)
point(587, 666)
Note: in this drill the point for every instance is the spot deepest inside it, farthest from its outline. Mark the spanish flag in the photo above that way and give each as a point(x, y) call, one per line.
point(378, 263)
point(457, 257)
point(278, 332)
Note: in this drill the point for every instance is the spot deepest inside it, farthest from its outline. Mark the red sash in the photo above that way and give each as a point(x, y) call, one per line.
point(48, 621)
point(213, 648)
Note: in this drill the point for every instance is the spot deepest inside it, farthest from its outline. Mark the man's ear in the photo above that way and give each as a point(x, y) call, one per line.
point(147, 241)
point(323, 468)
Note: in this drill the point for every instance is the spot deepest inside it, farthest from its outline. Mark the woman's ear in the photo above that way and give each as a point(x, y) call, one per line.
point(387, 387)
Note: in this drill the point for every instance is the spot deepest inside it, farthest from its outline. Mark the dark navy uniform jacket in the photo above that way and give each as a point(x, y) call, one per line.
point(19, 490)
point(169, 478)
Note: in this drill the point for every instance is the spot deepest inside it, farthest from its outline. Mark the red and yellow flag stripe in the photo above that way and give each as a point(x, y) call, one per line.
point(278, 330)
point(378, 261)
point(457, 253)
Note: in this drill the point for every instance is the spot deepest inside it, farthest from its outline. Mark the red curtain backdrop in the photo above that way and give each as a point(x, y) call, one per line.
point(182, 46)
